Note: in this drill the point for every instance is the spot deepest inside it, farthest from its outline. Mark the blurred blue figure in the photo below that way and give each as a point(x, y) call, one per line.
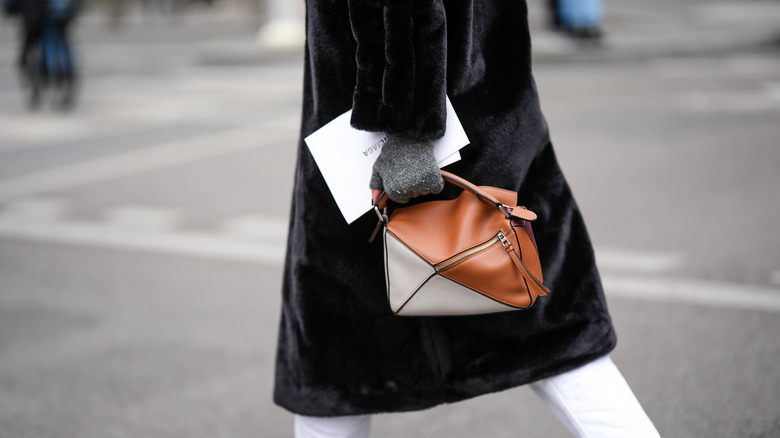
point(58, 58)
point(46, 58)
point(580, 19)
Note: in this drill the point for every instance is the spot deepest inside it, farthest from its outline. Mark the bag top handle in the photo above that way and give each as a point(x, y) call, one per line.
point(466, 185)
point(381, 202)
point(520, 213)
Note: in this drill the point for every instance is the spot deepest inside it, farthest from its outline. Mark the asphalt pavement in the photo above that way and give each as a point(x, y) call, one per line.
point(142, 233)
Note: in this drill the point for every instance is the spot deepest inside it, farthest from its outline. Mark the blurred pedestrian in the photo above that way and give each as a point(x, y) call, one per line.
point(60, 15)
point(33, 14)
point(579, 19)
point(46, 57)
point(342, 354)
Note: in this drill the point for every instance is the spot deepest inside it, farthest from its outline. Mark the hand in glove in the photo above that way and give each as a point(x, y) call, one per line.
point(405, 169)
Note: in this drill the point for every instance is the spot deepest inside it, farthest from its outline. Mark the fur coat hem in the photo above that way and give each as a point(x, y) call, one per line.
point(311, 403)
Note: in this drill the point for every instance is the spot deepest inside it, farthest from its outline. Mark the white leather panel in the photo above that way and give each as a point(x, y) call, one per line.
point(442, 296)
point(405, 271)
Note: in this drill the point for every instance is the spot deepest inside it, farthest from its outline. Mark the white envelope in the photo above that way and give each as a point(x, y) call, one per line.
point(346, 157)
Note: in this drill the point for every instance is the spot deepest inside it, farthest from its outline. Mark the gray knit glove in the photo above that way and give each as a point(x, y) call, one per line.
point(405, 169)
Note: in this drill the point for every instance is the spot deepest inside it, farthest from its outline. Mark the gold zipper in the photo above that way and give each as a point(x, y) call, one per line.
point(498, 238)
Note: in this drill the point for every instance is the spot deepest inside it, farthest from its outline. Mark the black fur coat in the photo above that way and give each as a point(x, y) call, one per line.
point(341, 351)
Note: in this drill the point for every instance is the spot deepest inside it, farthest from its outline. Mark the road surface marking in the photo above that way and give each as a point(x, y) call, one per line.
point(256, 227)
point(753, 68)
point(254, 248)
point(133, 162)
point(731, 101)
point(142, 217)
point(45, 131)
point(641, 261)
point(697, 292)
point(98, 235)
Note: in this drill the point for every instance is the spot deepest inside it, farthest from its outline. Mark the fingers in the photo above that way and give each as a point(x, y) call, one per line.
point(376, 180)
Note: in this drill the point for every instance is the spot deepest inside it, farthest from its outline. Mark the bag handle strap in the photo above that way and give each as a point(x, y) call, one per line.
point(381, 202)
point(521, 214)
point(453, 179)
point(542, 289)
point(466, 185)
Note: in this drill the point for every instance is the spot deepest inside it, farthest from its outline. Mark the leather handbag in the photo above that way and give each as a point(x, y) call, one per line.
point(470, 255)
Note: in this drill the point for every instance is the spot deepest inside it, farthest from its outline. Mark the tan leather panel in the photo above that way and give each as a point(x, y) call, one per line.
point(497, 277)
point(441, 229)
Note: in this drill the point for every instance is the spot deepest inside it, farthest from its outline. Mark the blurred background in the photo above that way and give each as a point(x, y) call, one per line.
point(142, 224)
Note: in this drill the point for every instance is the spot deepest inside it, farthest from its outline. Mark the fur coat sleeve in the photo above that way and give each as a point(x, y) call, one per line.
point(401, 52)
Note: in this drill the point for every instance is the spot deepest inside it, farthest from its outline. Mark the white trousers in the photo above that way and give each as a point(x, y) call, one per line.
point(593, 401)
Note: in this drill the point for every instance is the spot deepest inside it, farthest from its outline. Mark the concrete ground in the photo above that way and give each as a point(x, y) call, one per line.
point(141, 234)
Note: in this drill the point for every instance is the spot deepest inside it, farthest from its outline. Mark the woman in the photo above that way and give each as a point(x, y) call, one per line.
point(342, 354)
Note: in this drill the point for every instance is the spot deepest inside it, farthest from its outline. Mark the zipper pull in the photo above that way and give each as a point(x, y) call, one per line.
point(511, 252)
point(504, 241)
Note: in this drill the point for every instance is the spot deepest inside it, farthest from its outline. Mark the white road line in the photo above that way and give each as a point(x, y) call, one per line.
point(141, 217)
point(212, 246)
point(637, 261)
point(756, 68)
point(46, 130)
point(28, 134)
point(255, 227)
point(730, 101)
point(270, 250)
point(711, 294)
point(129, 163)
